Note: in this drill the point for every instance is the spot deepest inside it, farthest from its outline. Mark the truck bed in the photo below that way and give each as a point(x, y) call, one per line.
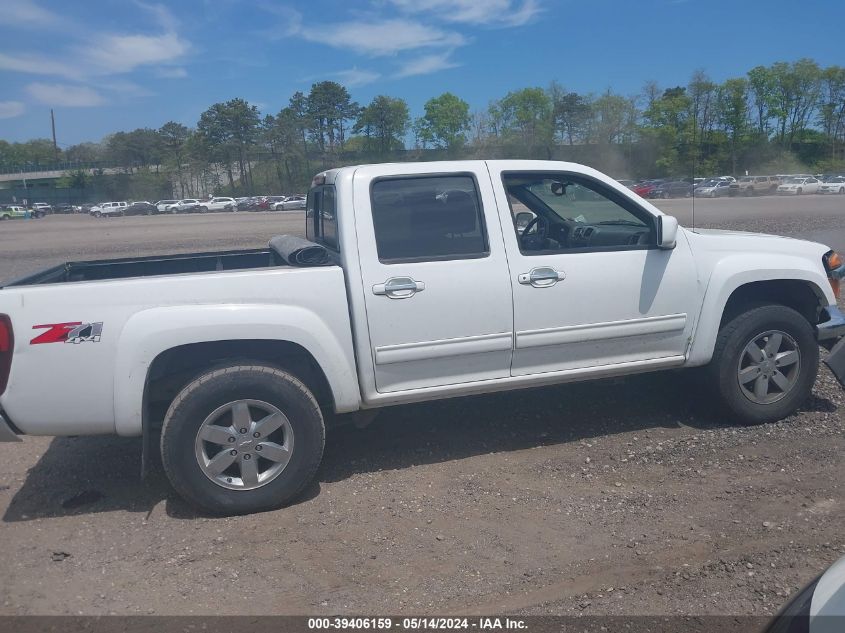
point(154, 265)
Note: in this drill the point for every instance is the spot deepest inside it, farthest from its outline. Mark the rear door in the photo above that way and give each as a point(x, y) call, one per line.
point(437, 296)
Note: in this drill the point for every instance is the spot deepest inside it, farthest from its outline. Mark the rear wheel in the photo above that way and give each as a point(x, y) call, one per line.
point(764, 364)
point(203, 209)
point(242, 438)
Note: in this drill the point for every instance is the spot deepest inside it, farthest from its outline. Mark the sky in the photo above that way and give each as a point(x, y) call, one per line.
point(109, 65)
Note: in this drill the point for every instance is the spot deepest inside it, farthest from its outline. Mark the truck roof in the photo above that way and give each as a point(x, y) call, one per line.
point(329, 176)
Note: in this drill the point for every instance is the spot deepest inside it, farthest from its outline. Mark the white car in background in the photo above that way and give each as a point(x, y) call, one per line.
point(108, 209)
point(291, 203)
point(218, 204)
point(163, 206)
point(798, 186)
point(188, 205)
point(833, 185)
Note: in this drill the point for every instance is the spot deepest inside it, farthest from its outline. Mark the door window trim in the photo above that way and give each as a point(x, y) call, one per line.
point(434, 258)
point(614, 196)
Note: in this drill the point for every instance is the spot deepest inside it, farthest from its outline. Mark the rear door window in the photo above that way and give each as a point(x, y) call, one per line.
point(427, 218)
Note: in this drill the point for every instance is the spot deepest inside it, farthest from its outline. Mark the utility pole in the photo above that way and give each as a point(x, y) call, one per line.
point(55, 146)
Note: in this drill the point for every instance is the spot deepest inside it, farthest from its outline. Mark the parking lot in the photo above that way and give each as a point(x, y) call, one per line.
point(625, 496)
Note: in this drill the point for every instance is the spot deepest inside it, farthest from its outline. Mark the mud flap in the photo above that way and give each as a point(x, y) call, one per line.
point(836, 361)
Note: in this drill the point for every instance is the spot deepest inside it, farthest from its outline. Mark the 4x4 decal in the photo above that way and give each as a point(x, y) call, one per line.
point(71, 332)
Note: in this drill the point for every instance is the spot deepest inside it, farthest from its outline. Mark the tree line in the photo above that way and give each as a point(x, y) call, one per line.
point(789, 115)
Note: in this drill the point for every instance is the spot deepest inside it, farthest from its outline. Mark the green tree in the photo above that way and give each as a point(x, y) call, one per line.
point(445, 122)
point(383, 124)
point(525, 117)
point(733, 112)
point(330, 107)
point(572, 114)
point(229, 130)
point(832, 108)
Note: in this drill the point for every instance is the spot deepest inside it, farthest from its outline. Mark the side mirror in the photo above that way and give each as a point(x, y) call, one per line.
point(667, 231)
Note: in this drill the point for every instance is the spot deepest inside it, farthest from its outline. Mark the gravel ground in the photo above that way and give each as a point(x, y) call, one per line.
point(628, 496)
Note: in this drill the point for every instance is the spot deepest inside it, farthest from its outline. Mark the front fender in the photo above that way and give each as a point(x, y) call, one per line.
point(734, 271)
point(151, 332)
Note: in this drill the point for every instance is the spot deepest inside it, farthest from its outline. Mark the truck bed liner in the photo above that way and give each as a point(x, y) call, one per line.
point(153, 265)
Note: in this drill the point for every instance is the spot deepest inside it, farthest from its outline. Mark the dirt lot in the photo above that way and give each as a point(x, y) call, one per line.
point(617, 497)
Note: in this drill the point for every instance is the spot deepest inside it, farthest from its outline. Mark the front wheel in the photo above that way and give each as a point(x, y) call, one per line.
point(203, 209)
point(764, 364)
point(242, 438)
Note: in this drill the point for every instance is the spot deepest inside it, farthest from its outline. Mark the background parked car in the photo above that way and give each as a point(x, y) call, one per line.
point(220, 203)
point(65, 208)
point(188, 205)
point(755, 185)
point(40, 209)
point(163, 206)
point(290, 203)
point(140, 208)
point(12, 212)
point(798, 186)
point(672, 189)
point(713, 188)
point(645, 187)
point(108, 208)
point(832, 184)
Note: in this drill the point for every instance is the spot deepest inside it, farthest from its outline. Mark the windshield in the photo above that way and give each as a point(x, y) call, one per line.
point(572, 202)
point(794, 181)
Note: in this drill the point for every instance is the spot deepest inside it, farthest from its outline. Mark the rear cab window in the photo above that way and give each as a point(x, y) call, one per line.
point(321, 217)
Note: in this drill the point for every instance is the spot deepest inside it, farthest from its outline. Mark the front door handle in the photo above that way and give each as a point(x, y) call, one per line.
point(541, 277)
point(399, 288)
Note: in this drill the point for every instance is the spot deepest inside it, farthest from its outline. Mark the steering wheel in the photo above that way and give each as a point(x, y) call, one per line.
point(537, 241)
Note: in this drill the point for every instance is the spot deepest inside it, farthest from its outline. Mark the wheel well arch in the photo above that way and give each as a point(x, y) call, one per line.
point(802, 296)
point(173, 368)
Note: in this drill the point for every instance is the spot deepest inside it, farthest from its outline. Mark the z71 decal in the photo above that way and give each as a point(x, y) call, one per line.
point(74, 332)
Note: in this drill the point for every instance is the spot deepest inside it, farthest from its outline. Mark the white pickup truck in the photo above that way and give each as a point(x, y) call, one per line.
point(230, 362)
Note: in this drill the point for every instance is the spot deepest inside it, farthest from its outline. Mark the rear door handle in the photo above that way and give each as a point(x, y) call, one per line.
point(541, 277)
point(399, 288)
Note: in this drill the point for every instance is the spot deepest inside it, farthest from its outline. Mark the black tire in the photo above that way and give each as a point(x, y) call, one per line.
point(800, 191)
point(227, 384)
point(203, 209)
point(98, 214)
point(730, 345)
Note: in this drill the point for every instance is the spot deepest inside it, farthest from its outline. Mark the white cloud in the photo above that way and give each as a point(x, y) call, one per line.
point(355, 77)
point(171, 72)
point(37, 65)
point(162, 15)
point(11, 109)
point(64, 95)
point(426, 65)
point(383, 37)
point(25, 13)
point(489, 12)
point(124, 53)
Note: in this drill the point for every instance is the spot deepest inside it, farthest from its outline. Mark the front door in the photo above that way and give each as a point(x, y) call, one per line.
point(591, 288)
point(435, 276)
